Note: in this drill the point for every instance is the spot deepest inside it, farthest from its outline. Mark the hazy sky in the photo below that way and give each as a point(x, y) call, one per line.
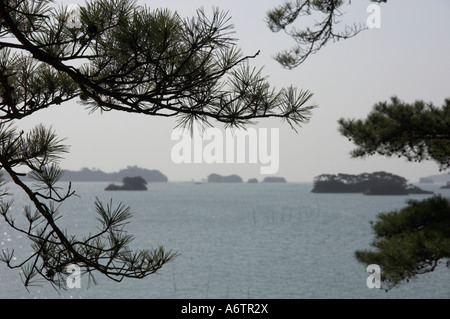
point(408, 56)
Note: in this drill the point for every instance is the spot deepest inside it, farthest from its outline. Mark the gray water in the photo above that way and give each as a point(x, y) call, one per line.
point(236, 241)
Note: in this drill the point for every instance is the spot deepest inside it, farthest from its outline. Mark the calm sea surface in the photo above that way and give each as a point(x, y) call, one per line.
point(236, 241)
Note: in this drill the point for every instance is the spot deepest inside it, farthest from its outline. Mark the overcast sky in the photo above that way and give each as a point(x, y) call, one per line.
point(408, 56)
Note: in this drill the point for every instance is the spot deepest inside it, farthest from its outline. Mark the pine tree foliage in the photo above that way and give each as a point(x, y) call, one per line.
point(417, 131)
point(107, 251)
point(415, 239)
point(316, 35)
point(115, 55)
point(411, 241)
point(112, 55)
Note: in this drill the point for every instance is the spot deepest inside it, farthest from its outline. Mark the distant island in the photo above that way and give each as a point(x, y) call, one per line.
point(425, 180)
point(272, 179)
point(216, 178)
point(378, 183)
point(96, 175)
point(129, 184)
point(88, 175)
point(446, 186)
point(440, 178)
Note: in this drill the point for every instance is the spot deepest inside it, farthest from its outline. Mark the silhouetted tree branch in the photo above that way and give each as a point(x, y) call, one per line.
point(417, 131)
point(311, 39)
point(112, 55)
point(415, 239)
point(139, 61)
point(106, 252)
point(411, 241)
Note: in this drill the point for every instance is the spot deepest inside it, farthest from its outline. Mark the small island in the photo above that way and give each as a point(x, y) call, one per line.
point(216, 178)
point(129, 184)
point(253, 181)
point(273, 179)
point(378, 183)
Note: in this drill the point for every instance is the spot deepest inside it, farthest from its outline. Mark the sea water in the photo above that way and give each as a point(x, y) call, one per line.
point(252, 241)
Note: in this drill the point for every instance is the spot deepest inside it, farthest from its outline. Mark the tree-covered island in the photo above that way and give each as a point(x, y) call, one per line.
point(377, 183)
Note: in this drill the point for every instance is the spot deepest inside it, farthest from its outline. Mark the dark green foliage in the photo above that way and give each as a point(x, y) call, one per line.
point(411, 241)
point(415, 239)
point(417, 131)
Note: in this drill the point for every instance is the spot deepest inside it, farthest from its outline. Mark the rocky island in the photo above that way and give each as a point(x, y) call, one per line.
point(129, 184)
point(378, 183)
